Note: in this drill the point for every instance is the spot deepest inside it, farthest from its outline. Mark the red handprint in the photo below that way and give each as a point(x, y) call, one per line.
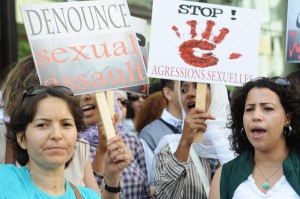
point(186, 49)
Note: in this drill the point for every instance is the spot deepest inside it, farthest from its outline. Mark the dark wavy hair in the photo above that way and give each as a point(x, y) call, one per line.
point(24, 114)
point(289, 100)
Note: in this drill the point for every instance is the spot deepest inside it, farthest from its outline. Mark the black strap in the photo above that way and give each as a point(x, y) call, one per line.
point(175, 130)
point(112, 189)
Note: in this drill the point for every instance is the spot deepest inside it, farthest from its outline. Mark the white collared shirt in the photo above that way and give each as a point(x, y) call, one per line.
point(170, 119)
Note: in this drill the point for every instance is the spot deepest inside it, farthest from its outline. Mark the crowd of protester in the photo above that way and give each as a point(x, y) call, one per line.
point(54, 145)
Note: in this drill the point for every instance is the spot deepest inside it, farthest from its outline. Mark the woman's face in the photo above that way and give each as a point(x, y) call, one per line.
point(136, 101)
point(51, 136)
point(188, 96)
point(90, 109)
point(264, 119)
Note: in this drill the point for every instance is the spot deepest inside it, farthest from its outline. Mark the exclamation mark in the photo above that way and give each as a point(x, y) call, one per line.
point(233, 14)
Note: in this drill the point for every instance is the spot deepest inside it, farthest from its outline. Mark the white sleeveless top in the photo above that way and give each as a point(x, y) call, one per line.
point(281, 190)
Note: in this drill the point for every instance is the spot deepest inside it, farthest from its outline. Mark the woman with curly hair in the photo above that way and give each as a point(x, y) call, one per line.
point(265, 124)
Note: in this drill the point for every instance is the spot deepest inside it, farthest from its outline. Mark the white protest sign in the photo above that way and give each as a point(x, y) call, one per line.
point(87, 46)
point(202, 42)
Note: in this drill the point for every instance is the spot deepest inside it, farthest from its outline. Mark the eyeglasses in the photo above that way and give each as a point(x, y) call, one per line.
point(277, 80)
point(136, 97)
point(124, 101)
point(37, 90)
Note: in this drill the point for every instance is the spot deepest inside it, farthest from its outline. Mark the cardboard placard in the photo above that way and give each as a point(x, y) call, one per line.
point(88, 46)
point(202, 42)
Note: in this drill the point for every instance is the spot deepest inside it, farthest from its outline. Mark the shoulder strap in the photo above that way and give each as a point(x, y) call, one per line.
point(77, 193)
point(173, 129)
point(200, 170)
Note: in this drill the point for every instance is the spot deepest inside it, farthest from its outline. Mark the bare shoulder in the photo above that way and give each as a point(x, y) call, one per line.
point(214, 192)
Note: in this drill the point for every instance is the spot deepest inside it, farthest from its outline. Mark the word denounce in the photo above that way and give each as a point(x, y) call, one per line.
point(113, 62)
point(56, 21)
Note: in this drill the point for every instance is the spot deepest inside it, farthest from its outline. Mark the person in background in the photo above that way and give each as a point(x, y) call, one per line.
point(123, 102)
point(134, 176)
point(183, 169)
point(135, 102)
point(20, 76)
point(151, 109)
point(44, 133)
point(171, 119)
point(265, 124)
point(168, 123)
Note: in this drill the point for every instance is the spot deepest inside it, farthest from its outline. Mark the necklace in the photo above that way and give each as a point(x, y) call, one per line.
point(266, 185)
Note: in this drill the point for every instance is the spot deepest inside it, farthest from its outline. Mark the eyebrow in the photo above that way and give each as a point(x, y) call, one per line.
point(184, 85)
point(262, 103)
point(48, 120)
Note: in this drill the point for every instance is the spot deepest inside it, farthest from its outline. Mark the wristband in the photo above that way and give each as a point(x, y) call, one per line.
point(112, 189)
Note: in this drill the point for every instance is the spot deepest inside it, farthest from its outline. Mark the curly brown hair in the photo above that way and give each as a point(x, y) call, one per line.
point(151, 109)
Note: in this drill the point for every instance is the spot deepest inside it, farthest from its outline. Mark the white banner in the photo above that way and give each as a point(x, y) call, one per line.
point(202, 42)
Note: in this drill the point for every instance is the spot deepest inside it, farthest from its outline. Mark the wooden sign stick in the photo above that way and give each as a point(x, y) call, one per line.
point(200, 103)
point(111, 101)
point(105, 115)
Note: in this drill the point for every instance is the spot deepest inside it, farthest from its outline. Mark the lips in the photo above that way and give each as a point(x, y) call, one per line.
point(88, 110)
point(55, 148)
point(191, 105)
point(88, 107)
point(258, 132)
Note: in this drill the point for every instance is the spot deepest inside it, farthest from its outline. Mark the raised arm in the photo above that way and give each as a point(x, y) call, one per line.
point(117, 158)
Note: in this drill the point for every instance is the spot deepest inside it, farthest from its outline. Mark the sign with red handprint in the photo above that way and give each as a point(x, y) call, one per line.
point(202, 42)
point(292, 53)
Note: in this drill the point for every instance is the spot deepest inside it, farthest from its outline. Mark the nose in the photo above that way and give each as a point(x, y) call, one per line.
point(257, 114)
point(85, 98)
point(56, 133)
point(191, 93)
